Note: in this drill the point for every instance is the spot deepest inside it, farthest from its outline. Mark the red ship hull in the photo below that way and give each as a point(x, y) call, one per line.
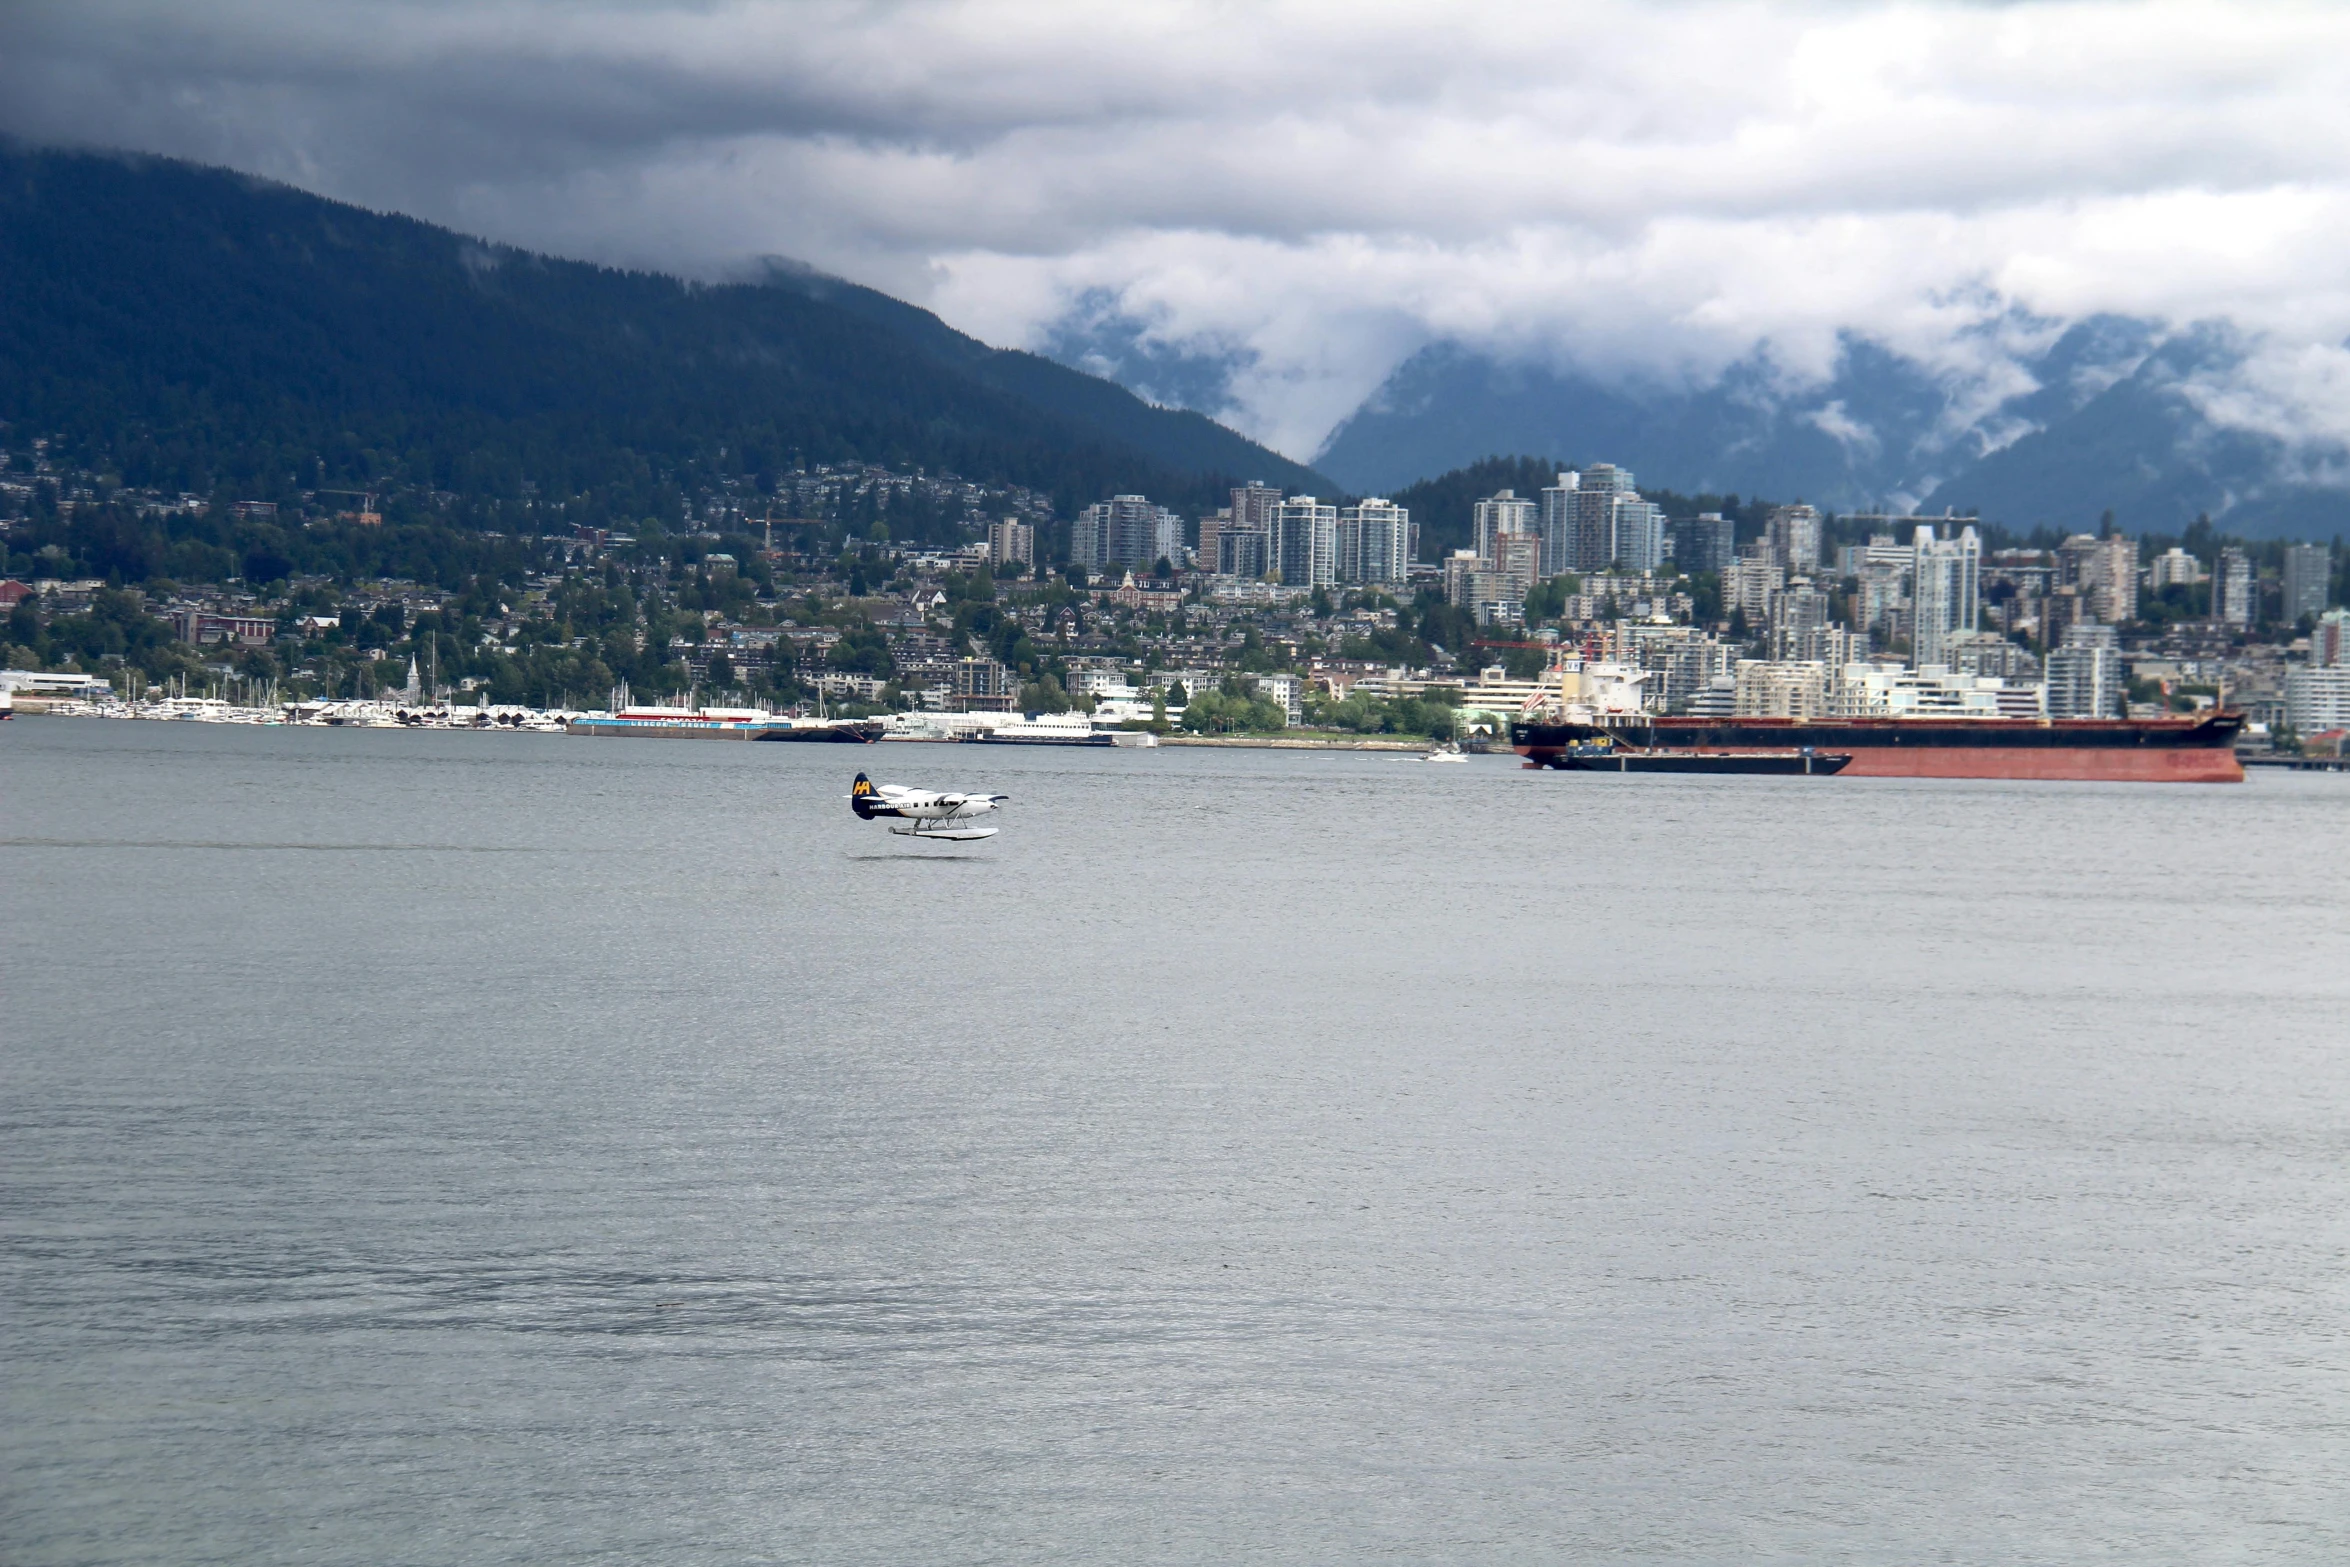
point(2165, 766)
point(2113, 750)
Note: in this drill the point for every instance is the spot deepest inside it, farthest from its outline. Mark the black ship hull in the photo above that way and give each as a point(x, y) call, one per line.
point(856, 733)
point(1782, 763)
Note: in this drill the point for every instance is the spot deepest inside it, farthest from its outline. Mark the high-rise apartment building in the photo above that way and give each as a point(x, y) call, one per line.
point(1558, 523)
point(1749, 585)
point(2309, 571)
point(1011, 542)
point(1880, 592)
point(1252, 506)
point(1304, 544)
point(1612, 525)
point(1251, 513)
point(1797, 613)
point(2085, 674)
point(1946, 578)
point(1089, 537)
point(2329, 642)
point(1593, 545)
point(1172, 547)
point(2174, 567)
point(1125, 530)
point(1705, 542)
point(1374, 542)
point(1211, 527)
point(1240, 552)
point(2076, 561)
point(1471, 582)
point(1640, 534)
point(1795, 537)
point(1517, 562)
point(2115, 593)
point(2060, 611)
point(2105, 570)
point(2234, 598)
point(1504, 511)
point(2317, 700)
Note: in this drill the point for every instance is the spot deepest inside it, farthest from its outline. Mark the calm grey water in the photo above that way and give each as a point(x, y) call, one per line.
point(460, 1148)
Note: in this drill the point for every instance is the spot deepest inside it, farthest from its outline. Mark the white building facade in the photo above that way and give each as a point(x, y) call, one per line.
point(1946, 592)
point(2317, 699)
point(2085, 674)
point(1304, 543)
point(1504, 511)
point(1374, 542)
point(1558, 523)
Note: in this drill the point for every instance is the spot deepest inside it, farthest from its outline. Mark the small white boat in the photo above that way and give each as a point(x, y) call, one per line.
point(1447, 752)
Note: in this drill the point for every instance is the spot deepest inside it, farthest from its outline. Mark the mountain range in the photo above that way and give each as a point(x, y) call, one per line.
point(2107, 413)
point(190, 327)
point(2111, 420)
point(193, 327)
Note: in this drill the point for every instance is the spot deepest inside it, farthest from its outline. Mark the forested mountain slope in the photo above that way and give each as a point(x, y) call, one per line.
point(195, 327)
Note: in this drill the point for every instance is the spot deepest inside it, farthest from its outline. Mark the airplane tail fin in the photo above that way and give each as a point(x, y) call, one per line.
point(861, 797)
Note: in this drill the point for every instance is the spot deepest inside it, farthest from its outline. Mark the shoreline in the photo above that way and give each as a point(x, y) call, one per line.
point(1299, 742)
point(1393, 744)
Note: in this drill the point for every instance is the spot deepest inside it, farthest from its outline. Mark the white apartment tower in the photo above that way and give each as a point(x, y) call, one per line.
point(2174, 567)
point(1945, 592)
point(1499, 513)
point(2329, 641)
point(1374, 542)
point(2085, 675)
point(1305, 542)
point(2116, 589)
point(1558, 523)
point(1795, 537)
point(1593, 547)
point(1640, 534)
point(2106, 572)
point(2232, 599)
point(1011, 542)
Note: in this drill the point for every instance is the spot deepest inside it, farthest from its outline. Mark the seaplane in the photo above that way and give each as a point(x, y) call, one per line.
point(925, 812)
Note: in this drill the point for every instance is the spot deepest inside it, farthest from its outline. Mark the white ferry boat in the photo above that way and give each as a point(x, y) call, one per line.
point(1062, 729)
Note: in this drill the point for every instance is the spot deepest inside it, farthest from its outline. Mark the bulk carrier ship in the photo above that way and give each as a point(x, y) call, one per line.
point(2119, 750)
point(1597, 702)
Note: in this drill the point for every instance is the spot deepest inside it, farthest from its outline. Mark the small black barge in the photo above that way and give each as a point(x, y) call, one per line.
point(1605, 756)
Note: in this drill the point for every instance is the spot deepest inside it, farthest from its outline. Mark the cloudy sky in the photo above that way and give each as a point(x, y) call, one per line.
point(1310, 192)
